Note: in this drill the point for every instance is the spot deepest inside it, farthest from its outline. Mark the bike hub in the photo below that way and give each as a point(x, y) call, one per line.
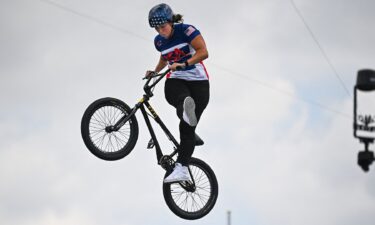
point(109, 129)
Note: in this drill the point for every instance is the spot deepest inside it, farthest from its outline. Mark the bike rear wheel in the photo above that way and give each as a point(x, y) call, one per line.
point(193, 201)
point(108, 145)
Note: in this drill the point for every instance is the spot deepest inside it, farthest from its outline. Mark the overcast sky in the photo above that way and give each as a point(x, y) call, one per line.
point(278, 128)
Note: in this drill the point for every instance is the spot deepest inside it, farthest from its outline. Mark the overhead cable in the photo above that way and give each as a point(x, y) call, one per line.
point(320, 48)
point(107, 24)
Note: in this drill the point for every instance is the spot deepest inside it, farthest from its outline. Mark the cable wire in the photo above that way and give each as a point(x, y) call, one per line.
point(266, 85)
point(107, 24)
point(320, 47)
point(99, 21)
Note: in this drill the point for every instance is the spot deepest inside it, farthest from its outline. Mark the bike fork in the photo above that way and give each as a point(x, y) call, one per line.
point(124, 119)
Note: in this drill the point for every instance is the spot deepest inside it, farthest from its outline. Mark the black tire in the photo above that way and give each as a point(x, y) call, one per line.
point(114, 145)
point(193, 204)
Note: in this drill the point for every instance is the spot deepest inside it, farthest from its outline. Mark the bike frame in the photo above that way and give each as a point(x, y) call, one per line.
point(144, 101)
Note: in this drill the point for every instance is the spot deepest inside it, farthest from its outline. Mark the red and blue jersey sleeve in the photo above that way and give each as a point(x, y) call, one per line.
point(190, 32)
point(158, 43)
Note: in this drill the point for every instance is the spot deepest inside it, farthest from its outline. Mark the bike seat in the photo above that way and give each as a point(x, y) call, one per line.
point(198, 140)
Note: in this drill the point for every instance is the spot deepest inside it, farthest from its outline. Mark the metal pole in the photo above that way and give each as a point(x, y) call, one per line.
point(229, 219)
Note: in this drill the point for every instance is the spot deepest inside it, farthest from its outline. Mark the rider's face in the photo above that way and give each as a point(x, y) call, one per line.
point(165, 30)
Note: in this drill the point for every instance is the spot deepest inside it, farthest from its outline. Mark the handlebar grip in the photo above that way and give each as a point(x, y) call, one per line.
point(151, 74)
point(154, 74)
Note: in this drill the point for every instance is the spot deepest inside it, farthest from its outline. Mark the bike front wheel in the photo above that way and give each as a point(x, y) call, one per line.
point(105, 144)
point(194, 199)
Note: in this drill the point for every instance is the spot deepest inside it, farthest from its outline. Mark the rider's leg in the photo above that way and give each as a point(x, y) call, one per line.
point(200, 93)
point(187, 137)
point(176, 92)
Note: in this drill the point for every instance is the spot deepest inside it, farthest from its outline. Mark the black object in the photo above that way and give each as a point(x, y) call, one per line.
point(365, 83)
point(365, 159)
point(198, 140)
point(366, 80)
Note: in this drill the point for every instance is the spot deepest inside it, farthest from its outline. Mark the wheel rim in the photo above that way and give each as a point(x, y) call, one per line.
point(108, 141)
point(193, 201)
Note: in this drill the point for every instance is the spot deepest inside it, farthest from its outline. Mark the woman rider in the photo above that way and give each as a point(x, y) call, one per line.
point(187, 89)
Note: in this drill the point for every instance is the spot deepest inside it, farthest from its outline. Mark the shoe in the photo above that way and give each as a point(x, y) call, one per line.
point(180, 173)
point(189, 112)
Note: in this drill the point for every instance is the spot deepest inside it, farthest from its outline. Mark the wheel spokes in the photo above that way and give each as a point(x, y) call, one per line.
point(192, 201)
point(113, 141)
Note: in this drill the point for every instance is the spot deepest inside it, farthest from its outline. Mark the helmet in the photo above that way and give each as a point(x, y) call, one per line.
point(160, 14)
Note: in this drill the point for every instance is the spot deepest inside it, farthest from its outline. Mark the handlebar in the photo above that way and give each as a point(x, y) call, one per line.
point(147, 88)
point(154, 75)
point(178, 68)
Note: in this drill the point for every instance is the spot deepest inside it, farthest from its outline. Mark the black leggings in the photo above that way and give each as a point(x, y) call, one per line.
point(176, 90)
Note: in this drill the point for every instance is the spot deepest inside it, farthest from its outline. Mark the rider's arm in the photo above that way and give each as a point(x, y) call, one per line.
point(161, 64)
point(201, 53)
point(200, 48)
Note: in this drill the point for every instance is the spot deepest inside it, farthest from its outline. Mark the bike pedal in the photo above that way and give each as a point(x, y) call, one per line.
point(198, 140)
point(150, 144)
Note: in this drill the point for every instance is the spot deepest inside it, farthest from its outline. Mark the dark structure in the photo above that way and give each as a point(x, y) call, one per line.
point(364, 118)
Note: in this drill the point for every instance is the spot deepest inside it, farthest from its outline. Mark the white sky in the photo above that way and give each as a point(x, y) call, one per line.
point(278, 129)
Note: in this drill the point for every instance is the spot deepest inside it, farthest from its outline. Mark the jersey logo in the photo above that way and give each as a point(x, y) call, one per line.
point(176, 55)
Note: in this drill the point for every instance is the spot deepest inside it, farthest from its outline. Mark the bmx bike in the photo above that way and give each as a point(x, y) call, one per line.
point(109, 129)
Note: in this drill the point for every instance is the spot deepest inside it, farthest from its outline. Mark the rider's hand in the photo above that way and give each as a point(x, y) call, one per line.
point(174, 66)
point(149, 73)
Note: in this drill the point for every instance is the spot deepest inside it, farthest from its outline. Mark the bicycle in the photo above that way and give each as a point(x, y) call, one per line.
point(109, 130)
